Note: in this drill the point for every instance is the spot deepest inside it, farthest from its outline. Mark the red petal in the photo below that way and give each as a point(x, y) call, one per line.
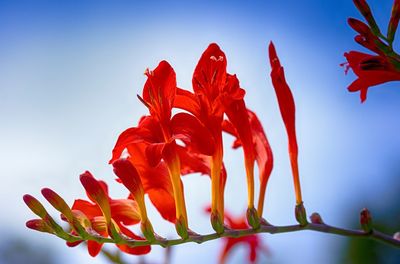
point(74, 244)
point(89, 209)
point(188, 128)
point(210, 73)
point(154, 153)
point(94, 248)
point(193, 162)
point(156, 182)
point(138, 250)
point(230, 129)
point(187, 101)
point(228, 246)
point(125, 211)
point(129, 176)
point(130, 136)
point(159, 90)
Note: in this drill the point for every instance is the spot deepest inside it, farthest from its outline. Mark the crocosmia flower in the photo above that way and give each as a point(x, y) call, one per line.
point(371, 70)
point(123, 212)
point(253, 243)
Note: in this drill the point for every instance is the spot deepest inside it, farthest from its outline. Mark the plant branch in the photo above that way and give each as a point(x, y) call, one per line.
point(265, 228)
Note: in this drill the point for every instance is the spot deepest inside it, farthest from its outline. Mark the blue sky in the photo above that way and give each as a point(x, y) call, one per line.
point(70, 72)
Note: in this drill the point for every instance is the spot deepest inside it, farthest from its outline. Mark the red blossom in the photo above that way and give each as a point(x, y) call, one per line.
point(254, 243)
point(217, 93)
point(262, 152)
point(371, 70)
point(121, 211)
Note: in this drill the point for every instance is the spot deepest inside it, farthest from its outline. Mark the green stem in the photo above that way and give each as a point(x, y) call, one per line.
point(374, 234)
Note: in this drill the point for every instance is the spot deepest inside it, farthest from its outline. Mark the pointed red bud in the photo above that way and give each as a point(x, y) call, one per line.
point(58, 203)
point(315, 218)
point(365, 10)
point(366, 220)
point(394, 21)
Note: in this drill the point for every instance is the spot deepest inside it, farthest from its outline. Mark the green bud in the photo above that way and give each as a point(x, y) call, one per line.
point(366, 220)
point(181, 228)
point(300, 213)
point(252, 218)
point(217, 223)
point(147, 230)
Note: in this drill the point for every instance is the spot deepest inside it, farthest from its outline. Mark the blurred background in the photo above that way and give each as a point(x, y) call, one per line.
point(69, 75)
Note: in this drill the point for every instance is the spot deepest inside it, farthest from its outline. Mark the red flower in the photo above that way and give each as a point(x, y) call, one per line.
point(262, 152)
point(371, 70)
point(217, 93)
point(104, 212)
point(159, 132)
point(254, 242)
point(288, 111)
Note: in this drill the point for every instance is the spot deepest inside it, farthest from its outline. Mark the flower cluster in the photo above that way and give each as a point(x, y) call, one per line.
point(384, 65)
point(150, 158)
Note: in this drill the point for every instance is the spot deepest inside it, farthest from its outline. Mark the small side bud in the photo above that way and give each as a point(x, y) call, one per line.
point(147, 230)
point(300, 213)
point(252, 218)
point(217, 223)
point(181, 228)
point(315, 218)
point(397, 236)
point(39, 225)
point(366, 220)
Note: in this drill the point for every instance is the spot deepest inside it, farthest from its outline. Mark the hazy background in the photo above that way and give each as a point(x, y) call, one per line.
point(70, 72)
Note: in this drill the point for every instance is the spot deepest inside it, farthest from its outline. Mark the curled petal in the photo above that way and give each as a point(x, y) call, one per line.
point(187, 101)
point(190, 130)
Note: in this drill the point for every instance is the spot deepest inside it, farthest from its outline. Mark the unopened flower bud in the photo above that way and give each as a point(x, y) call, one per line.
point(39, 225)
point(396, 236)
point(365, 10)
point(394, 20)
point(366, 220)
point(315, 218)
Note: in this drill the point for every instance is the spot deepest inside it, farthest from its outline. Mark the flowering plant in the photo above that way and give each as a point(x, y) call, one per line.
point(182, 134)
